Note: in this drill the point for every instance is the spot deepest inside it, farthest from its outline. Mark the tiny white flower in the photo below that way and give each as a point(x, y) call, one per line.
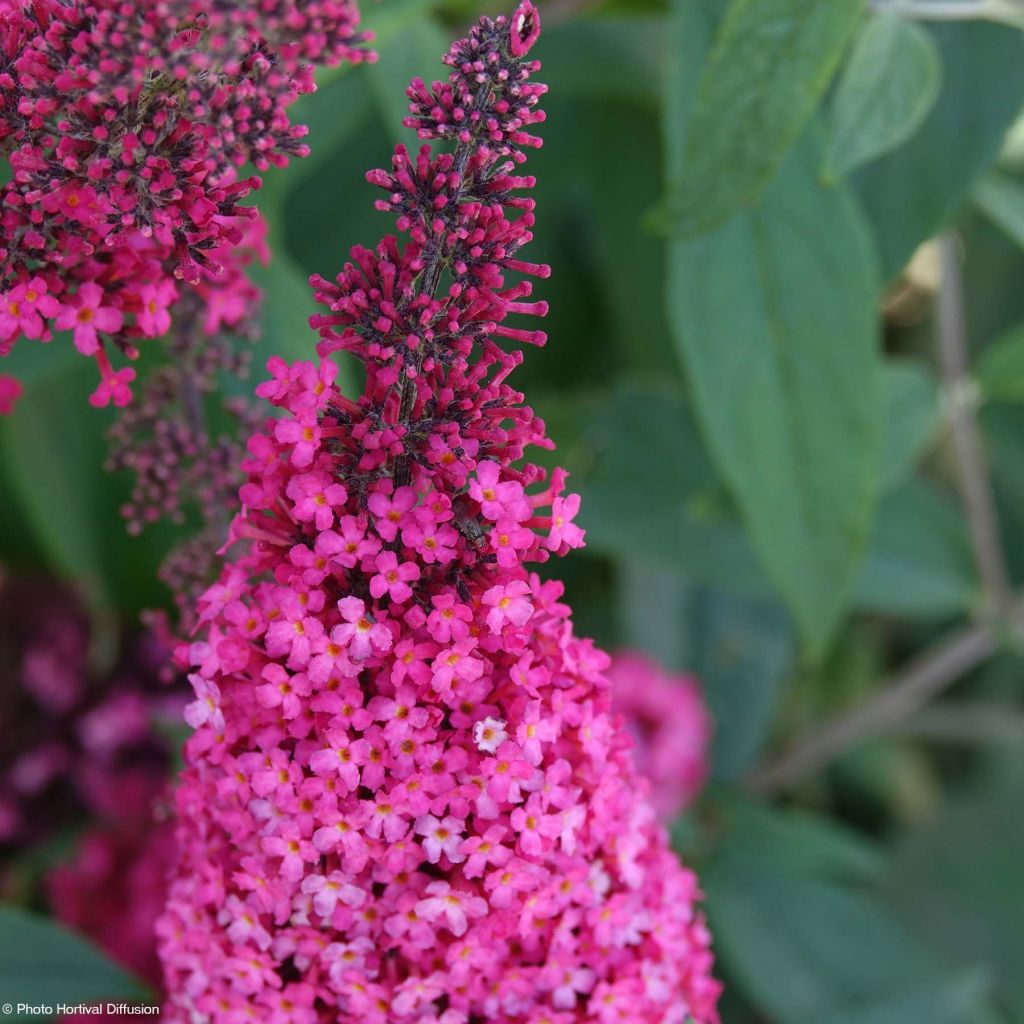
point(489, 734)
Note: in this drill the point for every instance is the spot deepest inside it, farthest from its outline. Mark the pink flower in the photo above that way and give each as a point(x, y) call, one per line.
point(508, 538)
point(10, 392)
point(302, 434)
point(389, 511)
point(563, 531)
point(670, 725)
point(441, 837)
point(433, 543)
point(315, 498)
point(393, 578)
point(205, 710)
point(498, 500)
point(508, 603)
point(455, 907)
point(87, 315)
point(24, 309)
point(154, 317)
point(360, 635)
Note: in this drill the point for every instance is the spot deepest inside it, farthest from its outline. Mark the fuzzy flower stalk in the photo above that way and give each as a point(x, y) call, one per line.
point(124, 127)
point(407, 798)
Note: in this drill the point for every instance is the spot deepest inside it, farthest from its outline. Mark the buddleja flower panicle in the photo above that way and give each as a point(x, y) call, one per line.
point(124, 126)
point(408, 798)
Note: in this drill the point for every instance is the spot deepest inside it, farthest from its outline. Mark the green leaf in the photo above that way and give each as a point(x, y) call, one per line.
point(957, 882)
point(41, 962)
point(802, 948)
point(798, 842)
point(645, 481)
point(885, 92)
point(770, 64)
point(743, 651)
point(959, 999)
point(911, 419)
point(774, 317)
point(912, 192)
point(412, 51)
point(54, 462)
point(1001, 199)
point(618, 58)
point(919, 561)
point(1000, 369)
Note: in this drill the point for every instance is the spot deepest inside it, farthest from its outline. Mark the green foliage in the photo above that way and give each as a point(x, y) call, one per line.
point(919, 561)
point(42, 963)
point(755, 424)
point(1001, 367)
point(916, 189)
point(956, 881)
point(888, 86)
point(1001, 199)
point(770, 63)
point(911, 418)
point(801, 451)
point(804, 939)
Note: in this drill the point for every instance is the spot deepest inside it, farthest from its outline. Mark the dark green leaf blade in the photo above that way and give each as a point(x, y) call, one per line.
point(919, 560)
point(774, 318)
point(959, 999)
point(1001, 199)
point(42, 963)
point(910, 193)
point(1001, 367)
point(885, 92)
point(769, 66)
point(912, 417)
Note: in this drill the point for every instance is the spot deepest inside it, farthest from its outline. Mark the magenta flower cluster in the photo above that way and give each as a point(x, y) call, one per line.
point(407, 798)
point(124, 126)
point(666, 715)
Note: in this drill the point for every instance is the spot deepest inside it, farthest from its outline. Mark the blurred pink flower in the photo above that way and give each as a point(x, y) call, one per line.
point(666, 715)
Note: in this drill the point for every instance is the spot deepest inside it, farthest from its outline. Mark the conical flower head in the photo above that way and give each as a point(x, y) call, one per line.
point(407, 798)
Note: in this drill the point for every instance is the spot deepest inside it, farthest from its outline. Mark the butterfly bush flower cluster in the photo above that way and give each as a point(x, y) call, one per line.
point(72, 739)
point(666, 715)
point(407, 798)
point(180, 467)
point(124, 126)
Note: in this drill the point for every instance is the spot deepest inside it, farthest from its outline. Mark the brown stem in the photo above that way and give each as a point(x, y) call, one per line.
point(961, 403)
point(895, 701)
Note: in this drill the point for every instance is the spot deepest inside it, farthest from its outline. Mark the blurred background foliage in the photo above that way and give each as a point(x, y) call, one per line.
point(741, 203)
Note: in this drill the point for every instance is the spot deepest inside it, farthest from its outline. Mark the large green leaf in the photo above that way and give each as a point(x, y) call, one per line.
point(742, 650)
point(910, 193)
point(42, 963)
point(1001, 199)
point(770, 64)
point(1000, 369)
point(618, 58)
point(412, 51)
point(649, 491)
point(911, 417)
point(919, 561)
point(798, 934)
point(774, 316)
point(957, 882)
point(53, 453)
point(959, 999)
point(888, 86)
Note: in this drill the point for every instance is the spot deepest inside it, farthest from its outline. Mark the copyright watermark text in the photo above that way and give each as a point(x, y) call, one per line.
point(46, 1010)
